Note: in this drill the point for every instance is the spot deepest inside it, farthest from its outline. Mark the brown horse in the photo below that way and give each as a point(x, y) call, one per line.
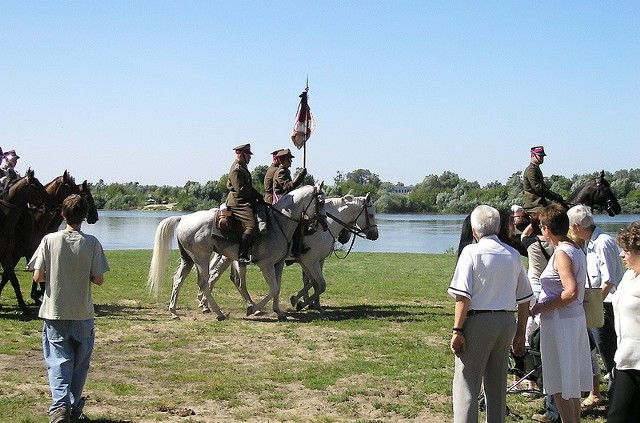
point(32, 228)
point(25, 197)
point(596, 193)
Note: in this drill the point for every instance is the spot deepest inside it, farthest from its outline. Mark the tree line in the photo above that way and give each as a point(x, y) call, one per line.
point(438, 194)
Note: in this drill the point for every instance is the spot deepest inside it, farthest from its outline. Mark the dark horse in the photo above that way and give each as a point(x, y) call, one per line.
point(31, 228)
point(26, 197)
point(596, 194)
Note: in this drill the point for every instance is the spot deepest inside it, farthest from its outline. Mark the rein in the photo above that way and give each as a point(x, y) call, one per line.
point(313, 199)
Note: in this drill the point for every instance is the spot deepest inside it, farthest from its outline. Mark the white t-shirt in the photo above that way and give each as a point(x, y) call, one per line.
point(68, 260)
point(491, 275)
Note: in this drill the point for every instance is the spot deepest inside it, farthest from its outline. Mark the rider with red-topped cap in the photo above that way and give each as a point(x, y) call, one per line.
point(536, 193)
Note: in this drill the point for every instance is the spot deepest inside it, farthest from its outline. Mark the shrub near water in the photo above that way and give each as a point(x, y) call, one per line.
point(379, 353)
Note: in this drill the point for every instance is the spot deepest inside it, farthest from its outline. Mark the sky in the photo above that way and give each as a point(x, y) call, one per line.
point(160, 92)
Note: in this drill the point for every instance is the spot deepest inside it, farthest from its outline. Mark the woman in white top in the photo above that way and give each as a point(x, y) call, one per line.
point(625, 396)
point(564, 343)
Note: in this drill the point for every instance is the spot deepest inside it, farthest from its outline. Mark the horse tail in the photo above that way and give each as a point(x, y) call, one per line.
point(161, 251)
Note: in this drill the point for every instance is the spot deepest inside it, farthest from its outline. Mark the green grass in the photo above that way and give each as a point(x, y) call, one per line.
point(379, 353)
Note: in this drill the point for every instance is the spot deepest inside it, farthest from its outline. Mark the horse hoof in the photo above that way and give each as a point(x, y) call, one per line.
point(174, 316)
point(206, 310)
point(251, 310)
point(222, 317)
point(300, 306)
point(282, 317)
point(294, 300)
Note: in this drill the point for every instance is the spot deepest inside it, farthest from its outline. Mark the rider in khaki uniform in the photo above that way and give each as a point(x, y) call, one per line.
point(536, 192)
point(282, 182)
point(268, 178)
point(242, 199)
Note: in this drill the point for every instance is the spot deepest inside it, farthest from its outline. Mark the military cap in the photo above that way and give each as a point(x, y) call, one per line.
point(539, 150)
point(285, 153)
point(245, 148)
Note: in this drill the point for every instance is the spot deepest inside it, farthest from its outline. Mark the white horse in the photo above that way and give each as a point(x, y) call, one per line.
point(356, 215)
point(198, 239)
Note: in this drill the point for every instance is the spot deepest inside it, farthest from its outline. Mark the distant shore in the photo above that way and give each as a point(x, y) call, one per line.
point(160, 207)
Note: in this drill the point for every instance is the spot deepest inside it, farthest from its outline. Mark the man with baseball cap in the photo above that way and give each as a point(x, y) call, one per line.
point(242, 199)
point(536, 193)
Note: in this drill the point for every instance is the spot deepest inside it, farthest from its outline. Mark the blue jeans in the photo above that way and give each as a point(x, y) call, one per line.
point(67, 346)
point(551, 409)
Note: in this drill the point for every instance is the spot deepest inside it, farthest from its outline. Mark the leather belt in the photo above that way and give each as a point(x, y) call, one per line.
point(472, 312)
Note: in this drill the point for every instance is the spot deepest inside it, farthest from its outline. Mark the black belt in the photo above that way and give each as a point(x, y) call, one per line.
point(472, 312)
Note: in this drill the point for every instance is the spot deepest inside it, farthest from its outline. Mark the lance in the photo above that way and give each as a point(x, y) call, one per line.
point(305, 102)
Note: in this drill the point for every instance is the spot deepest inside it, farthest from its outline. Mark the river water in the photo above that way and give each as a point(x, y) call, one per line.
point(399, 233)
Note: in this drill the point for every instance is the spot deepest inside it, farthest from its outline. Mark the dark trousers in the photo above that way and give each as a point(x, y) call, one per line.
point(624, 400)
point(605, 338)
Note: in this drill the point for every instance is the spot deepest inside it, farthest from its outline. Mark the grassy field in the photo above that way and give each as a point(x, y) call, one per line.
point(378, 354)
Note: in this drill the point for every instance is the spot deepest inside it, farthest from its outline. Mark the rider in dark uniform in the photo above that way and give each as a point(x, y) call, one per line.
point(242, 199)
point(536, 192)
point(282, 182)
point(268, 178)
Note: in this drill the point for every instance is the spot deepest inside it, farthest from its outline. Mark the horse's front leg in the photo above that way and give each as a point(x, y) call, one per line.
point(203, 285)
point(279, 267)
point(307, 284)
point(269, 273)
point(314, 272)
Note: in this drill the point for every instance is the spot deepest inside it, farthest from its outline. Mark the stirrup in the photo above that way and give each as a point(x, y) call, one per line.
point(244, 261)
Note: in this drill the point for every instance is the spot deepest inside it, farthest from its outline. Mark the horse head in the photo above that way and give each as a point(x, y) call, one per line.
point(85, 192)
point(597, 194)
point(28, 190)
point(62, 187)
point(366, 219)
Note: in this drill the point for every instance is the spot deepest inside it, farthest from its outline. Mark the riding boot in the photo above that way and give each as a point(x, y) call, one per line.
point(261, 216)
point(243, 254)
point(298, 247)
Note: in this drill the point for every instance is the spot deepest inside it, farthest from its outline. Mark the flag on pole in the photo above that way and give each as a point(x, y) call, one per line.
point(305, 123)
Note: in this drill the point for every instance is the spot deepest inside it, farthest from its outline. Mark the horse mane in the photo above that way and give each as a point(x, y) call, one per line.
point(341, 201)
point(290, 198)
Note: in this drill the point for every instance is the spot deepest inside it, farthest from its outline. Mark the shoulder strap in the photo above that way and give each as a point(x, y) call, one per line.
point(544, 250)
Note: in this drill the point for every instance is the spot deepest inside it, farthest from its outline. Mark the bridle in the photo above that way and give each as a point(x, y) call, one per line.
point(353, 229)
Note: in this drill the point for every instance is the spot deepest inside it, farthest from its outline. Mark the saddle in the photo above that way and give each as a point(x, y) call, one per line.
point(225, 220)
point(227, 224)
